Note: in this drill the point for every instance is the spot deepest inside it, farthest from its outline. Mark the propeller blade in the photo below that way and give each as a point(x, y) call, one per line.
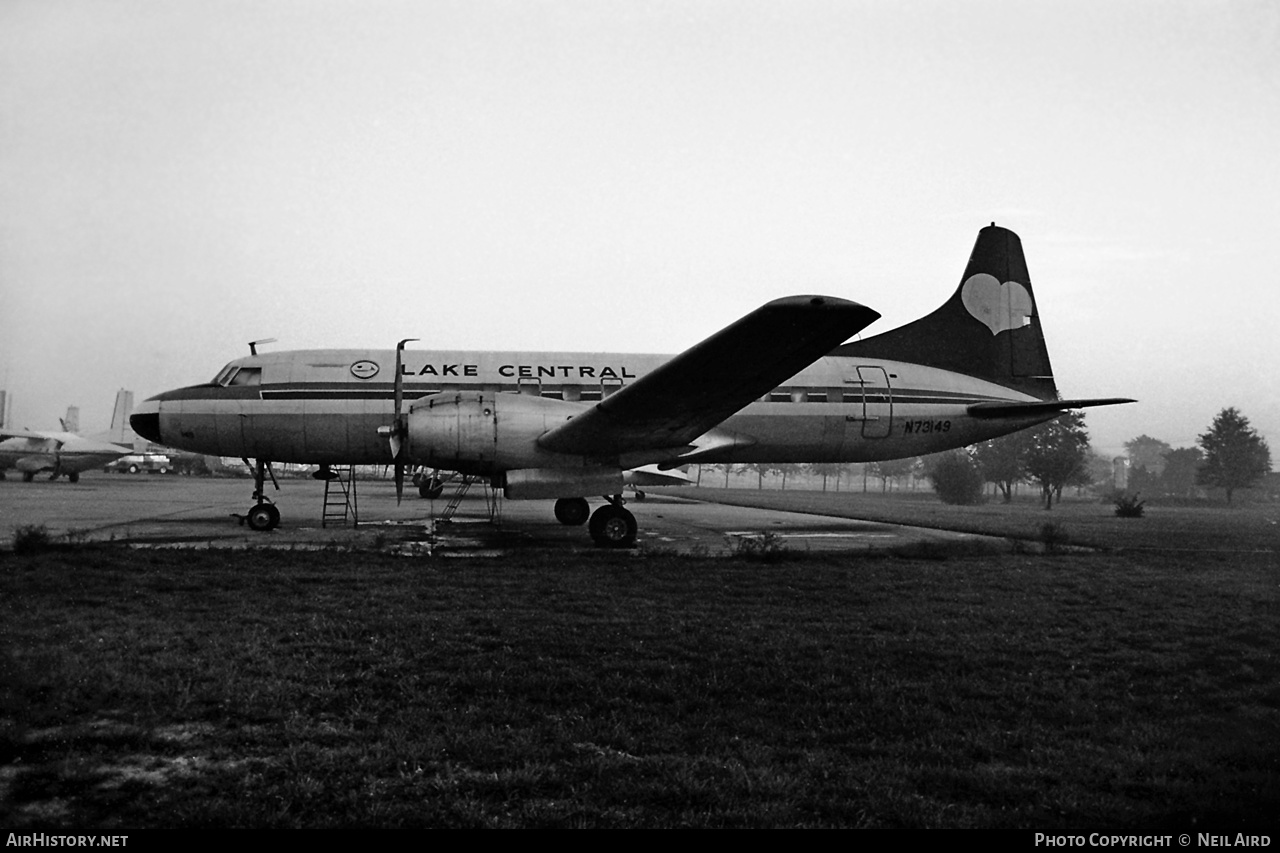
point(399, 427)
point(399, 380)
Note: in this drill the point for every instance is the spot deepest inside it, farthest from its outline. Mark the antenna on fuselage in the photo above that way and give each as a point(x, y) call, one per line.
point(253, 345)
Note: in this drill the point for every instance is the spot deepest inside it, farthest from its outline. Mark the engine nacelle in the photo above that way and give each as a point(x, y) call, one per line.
point(484, 432)
point(533, 483)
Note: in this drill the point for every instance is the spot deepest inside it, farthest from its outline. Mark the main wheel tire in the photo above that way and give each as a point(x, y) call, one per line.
point(262, 517)
point(572, 512)
point(613, 527)
point(431, 488)
point(73, 477)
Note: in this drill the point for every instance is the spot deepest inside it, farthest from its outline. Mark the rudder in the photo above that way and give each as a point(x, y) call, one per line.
point(120, 433)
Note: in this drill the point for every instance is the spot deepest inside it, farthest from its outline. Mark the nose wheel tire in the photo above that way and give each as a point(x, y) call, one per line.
point(263, 517)
point(572, 511)
point(612, 526)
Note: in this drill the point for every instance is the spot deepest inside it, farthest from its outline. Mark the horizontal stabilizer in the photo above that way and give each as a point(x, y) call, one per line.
point(996, 411)
point(651, 475)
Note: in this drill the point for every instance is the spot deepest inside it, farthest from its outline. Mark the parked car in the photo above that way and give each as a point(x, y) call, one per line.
point(135, 463)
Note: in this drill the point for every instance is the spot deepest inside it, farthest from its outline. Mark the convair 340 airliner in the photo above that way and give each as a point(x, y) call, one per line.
point(778, 385)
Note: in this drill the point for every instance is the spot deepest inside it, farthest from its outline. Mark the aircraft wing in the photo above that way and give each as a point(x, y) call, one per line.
point(691, 393)
point(27, 434)
point(996, 411)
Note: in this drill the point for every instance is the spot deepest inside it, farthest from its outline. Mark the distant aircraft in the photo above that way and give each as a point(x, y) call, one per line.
point(64, 451)
point(775, 386)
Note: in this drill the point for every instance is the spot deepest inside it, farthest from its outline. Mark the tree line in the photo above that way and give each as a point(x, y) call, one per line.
point(1054, 456)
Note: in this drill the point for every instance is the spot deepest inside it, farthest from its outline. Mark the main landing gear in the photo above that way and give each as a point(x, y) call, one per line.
point(263, 515)
point(610, 526)
point(430, 484)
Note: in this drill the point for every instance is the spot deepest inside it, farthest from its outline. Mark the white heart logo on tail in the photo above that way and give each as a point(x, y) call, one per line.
point(999, 307)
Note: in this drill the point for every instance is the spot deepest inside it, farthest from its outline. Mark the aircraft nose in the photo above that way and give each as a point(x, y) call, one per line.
point(147, 425)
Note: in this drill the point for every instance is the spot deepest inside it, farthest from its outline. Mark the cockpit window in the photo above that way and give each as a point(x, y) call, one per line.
point(234, 374)
point(247, 376)
point(224, 375)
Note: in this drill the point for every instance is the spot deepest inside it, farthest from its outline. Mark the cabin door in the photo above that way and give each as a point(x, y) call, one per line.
point(877, 402)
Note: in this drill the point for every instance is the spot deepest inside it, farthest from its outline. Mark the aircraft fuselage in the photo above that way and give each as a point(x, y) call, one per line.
point(326, 406)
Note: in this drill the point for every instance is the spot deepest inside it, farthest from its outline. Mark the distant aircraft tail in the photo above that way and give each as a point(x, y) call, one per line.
point(120, 432)
point(989, 328)
point(71, 423)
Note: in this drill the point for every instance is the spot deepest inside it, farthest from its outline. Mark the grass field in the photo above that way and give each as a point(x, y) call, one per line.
point(1209, 526)
point(1121, 689)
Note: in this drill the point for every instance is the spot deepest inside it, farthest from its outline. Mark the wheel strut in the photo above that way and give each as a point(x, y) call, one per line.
point(263, 515)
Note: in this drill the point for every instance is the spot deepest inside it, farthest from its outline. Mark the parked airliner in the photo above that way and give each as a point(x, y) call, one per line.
point(778, 385)
point(65, 452)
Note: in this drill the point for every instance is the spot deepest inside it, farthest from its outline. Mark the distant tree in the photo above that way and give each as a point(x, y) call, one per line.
point(763, 468)
point(1101, 471)
point(1180, 470)
point(1235, 456)
point(1004, 461)
point(957, 478)
point(892, 469)
point(1143, 480)
point(727, 467)
point(826, 470)
point(1082, 478)
point(786, 469)
point(1059, 449)
point(1147, 452)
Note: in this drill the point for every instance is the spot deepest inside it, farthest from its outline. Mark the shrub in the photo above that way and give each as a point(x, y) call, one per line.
point(31, 538)
point(1128, 506)
point(765, 548)
point(957, 480)
point(1054, 537)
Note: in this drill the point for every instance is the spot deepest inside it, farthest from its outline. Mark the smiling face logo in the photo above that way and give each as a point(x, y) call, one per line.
point(999, 307)
point(364, 369)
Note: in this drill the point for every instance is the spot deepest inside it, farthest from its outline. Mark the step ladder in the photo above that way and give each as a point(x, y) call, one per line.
point(455, 500)
point(340, 498)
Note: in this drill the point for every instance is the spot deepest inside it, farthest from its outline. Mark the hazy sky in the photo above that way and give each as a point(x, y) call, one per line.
point(179, 178)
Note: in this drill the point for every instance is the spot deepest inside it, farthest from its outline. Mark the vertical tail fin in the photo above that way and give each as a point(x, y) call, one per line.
point(989, 328)
point(120, 433)
point(71, 423)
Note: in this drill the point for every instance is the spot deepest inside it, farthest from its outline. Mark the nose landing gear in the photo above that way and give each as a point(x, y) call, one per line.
point(263, 515)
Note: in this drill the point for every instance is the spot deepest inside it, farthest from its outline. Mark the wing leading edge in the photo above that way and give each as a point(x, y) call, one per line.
point(691, 393)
